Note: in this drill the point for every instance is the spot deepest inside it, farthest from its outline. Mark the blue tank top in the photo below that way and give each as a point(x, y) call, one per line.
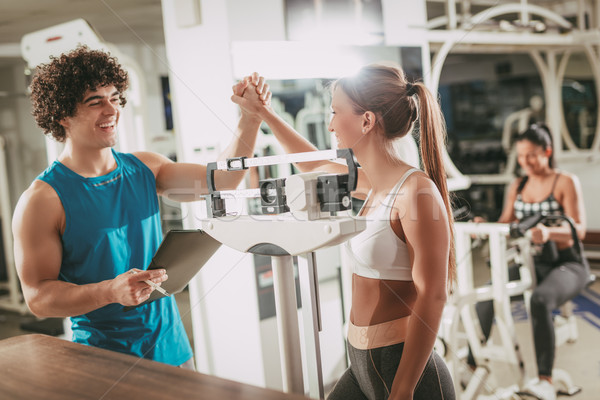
point(113, 225)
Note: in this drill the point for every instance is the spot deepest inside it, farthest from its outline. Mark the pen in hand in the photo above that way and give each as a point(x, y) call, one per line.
point(157, 287)
point(152, 284)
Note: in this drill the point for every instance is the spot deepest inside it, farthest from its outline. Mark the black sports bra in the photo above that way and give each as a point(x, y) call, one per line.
point(548, 206)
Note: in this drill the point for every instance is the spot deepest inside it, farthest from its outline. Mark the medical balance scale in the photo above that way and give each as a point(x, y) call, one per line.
point(298, 217)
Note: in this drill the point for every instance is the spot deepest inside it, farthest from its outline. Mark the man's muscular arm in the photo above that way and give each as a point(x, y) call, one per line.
point(38, 223)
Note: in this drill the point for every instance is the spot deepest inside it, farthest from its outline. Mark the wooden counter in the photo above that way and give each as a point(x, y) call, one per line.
point(44, 367)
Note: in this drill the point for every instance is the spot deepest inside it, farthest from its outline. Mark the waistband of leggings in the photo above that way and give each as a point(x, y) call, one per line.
point(379, 335)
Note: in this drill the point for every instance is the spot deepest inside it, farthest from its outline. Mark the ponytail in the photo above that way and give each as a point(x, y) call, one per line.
point(433, 141)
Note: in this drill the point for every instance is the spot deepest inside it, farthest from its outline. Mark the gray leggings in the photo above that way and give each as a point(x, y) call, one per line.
point(557, 283)
point(372, 372)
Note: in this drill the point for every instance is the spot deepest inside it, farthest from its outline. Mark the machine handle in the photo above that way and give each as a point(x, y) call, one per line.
point(210, 177)
point(348, 155)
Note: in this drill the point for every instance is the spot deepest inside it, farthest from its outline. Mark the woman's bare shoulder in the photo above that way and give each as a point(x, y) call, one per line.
point(567, 181)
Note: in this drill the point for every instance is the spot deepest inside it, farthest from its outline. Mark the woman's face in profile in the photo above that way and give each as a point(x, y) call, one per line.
point(344, 123)
point(533, 158)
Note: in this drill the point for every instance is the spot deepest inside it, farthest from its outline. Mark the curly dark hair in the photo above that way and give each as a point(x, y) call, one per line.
point(60, 85)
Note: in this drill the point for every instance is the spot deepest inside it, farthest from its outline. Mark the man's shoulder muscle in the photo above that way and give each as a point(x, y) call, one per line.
point(39, 205)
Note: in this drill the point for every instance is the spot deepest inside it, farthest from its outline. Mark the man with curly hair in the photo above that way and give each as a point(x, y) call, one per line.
point(88, 226)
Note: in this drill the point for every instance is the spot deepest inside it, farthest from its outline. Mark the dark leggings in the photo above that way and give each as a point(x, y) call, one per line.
point(557, 283)
point(372, 372)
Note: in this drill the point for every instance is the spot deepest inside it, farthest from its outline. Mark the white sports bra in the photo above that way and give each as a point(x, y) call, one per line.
point(377, 252)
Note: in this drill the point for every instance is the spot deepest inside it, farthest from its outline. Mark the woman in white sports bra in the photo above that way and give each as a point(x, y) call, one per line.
point(404, 259)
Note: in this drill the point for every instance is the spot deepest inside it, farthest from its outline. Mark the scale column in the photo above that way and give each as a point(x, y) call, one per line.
point(284, 286)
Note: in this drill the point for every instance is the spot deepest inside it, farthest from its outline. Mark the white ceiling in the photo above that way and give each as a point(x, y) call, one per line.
point(117, 21)
point(132, 21)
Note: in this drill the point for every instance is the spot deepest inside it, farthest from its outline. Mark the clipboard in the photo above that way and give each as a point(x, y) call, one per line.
point(182, 253)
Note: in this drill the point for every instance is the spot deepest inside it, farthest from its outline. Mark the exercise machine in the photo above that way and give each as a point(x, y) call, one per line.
point(460, 311)
point(509, 244)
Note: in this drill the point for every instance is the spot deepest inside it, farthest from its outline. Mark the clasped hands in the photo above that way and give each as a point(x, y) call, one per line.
point(253, 103)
